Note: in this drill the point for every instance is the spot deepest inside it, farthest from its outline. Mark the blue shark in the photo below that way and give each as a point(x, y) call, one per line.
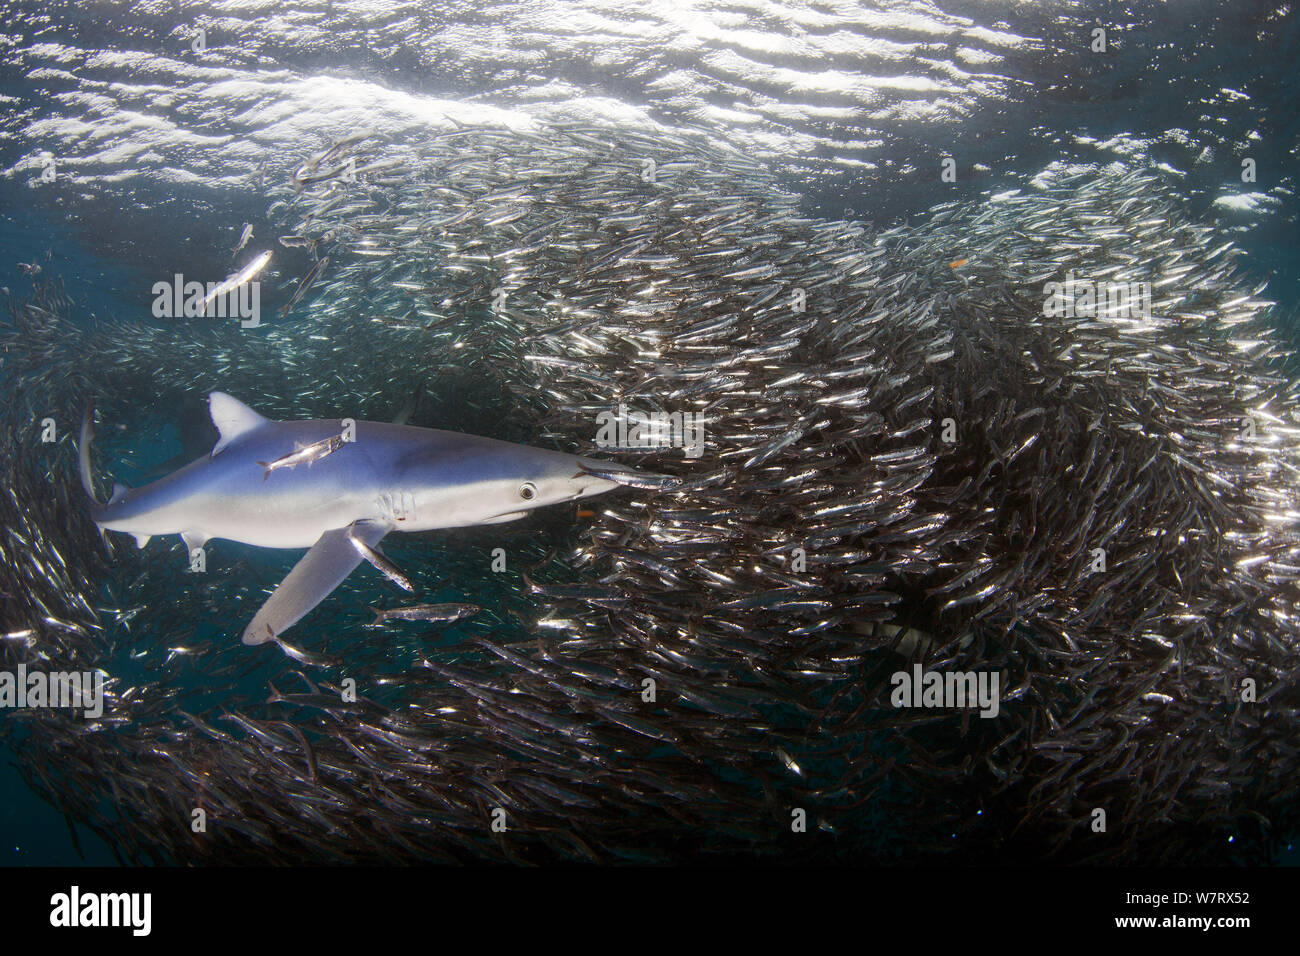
point(337, 487)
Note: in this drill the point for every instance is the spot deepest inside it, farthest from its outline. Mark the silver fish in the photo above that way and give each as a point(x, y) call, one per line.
point(382, 564)
point(442, 613)
point(304, 455)
point(630, 478)
point(243, 239)
point(235, 280)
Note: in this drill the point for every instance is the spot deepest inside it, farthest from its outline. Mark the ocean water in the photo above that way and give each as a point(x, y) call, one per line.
point(137, 140)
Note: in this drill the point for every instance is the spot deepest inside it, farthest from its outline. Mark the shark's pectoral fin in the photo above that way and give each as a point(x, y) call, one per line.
point(322, 569)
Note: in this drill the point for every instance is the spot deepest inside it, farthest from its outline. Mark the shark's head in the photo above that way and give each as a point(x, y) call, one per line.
point(470, 480)
point(537, 478)
point(541, 478)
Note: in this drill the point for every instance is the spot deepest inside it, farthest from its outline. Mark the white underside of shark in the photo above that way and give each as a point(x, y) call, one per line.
point(340, 505)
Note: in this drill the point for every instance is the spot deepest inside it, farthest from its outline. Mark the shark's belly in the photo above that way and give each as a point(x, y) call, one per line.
point(279, 535)
point(284, 511)
point(290, 521)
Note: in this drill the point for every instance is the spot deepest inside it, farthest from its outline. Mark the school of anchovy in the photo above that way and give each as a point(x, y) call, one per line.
point(524, 282)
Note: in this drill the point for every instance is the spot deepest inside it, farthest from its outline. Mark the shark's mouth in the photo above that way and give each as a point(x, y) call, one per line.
point(507, 516)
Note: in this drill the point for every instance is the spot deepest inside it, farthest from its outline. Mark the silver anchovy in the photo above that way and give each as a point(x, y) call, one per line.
point(443, 613)
point(239, 278)
point(243, 239)
point(633, 479)
point(307, 281)
point(381, 563)
point(305, 455)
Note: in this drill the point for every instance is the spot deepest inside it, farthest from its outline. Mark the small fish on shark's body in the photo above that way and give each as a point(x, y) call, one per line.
point(390, 478)
point(305, 455)
point(440, 613)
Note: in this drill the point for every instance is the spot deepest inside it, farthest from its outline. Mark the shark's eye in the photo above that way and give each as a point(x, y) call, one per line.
point(528, 491)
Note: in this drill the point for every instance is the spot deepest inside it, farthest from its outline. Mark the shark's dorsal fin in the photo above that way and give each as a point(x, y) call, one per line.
point(232, 417)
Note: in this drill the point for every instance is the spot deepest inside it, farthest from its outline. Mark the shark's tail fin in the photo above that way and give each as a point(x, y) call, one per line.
point(83, 463)
point(83, 453)
point(404, 414)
